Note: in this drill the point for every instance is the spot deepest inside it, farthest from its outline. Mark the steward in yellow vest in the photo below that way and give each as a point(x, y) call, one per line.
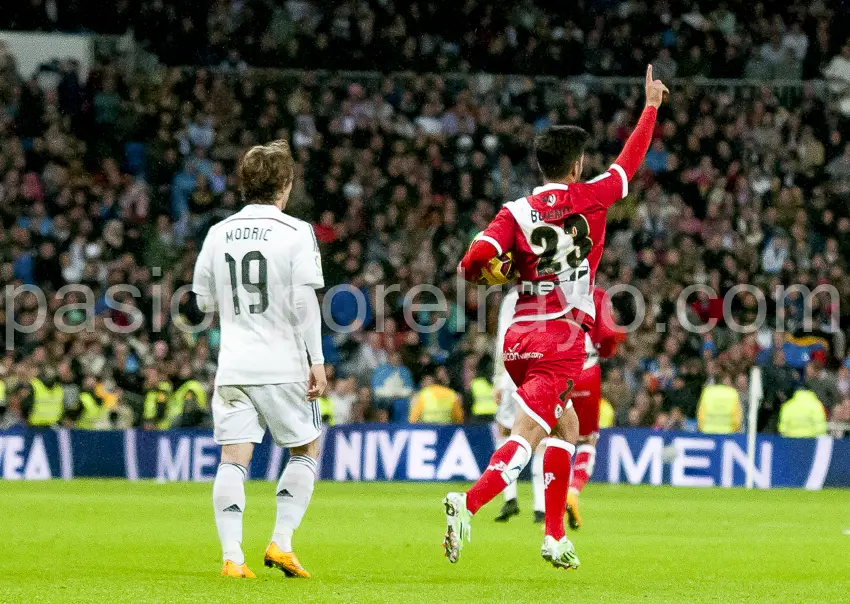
point(436, 404)
point(483, 404)
point(47, 406)
point(606, 414)
point(719, 409)
point(156, 405)
point(189, 388)
point(92, 412)
point(326, 410)
point(803, 416)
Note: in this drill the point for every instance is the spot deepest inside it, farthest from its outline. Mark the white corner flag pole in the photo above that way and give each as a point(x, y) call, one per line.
point(756, 394)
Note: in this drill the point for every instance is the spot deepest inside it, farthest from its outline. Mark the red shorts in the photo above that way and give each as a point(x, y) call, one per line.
point(544, 359)
point(586, 396)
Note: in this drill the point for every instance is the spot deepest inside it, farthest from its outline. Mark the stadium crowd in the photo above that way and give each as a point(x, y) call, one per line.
point(115, 180)
point(713, 38)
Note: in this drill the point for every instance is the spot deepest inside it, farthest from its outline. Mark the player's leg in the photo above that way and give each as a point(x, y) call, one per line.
point(229, 505)
point(295, 423)
point(504, 468)
point(586, 403)
point(560, 448)
point(237, 428)
point(293, 495)
point(537, 487)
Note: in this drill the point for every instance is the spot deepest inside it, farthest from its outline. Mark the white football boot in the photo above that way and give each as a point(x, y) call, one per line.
point(457, 525)
point(561, 554)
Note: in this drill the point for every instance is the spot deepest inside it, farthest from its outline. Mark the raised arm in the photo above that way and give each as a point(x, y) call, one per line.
point(613, 185)
point(636, 147)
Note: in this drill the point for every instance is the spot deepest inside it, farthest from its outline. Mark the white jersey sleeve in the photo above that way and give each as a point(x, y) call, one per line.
point(203, 281)
point(307, 261)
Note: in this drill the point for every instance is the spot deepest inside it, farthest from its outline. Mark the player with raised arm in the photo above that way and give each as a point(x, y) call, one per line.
point(601, 341)
point(556, 236)
point(259, 268)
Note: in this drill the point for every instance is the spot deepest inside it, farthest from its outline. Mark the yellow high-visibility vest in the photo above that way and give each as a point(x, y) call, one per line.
point(47, 408)
point(803, 416)
point(153, 398)
point(606, 414)
point(437, 404)
point(719, 410)
point(326, 410)
point(92, 412)
point(482, 397)
point(178, 400)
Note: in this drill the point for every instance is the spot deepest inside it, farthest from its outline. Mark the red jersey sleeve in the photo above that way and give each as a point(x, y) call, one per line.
point(495, 240)
point(606, 333)
point(501, 232)
point(612, 186)
point(609, 187)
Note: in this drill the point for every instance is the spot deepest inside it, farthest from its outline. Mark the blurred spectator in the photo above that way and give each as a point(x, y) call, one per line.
point(719, 409)
point(393, 385)
point(18, 405)
point(803, 416)
point(436, 404)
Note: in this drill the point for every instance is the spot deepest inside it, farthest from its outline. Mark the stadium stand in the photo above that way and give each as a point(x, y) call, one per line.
point(116, 178)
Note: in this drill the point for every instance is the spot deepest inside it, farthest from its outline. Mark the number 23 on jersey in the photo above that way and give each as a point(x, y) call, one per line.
point(561, 247)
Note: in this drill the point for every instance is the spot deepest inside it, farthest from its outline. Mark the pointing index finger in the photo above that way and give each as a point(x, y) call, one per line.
point(649, 73)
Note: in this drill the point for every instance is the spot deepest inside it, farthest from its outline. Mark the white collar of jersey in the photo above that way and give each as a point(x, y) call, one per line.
point(548, 187)
point(266, 208)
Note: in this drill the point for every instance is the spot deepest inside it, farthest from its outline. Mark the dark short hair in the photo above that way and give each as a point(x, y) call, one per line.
point(558, 148)
point(265, 171)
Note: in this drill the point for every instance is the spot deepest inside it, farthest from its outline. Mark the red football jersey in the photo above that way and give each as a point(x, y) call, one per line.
point(557, 235)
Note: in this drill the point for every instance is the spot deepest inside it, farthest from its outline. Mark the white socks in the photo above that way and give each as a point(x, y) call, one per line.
point(538, 489)
point(294, 491)
point(229, 504)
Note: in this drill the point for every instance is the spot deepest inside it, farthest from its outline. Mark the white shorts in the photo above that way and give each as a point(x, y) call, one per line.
point(241, 414)
point(506, 411)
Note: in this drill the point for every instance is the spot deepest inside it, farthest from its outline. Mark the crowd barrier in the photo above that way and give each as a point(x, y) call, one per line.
point(425, 453)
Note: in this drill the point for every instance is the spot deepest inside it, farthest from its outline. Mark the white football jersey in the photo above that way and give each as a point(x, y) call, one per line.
point(250, 265)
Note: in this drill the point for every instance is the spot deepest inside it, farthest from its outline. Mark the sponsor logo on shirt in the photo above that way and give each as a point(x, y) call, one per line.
point(511, 354)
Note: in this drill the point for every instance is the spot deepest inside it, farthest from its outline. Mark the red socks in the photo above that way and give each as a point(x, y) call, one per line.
point(504, 468)
point(583, 466)
point(556, 478)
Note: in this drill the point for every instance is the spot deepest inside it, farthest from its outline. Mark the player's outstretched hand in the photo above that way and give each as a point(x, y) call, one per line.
point(656, 91)
point(317, 383)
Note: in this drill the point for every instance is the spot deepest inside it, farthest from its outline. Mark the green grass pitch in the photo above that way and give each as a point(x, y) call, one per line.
point(114, 541)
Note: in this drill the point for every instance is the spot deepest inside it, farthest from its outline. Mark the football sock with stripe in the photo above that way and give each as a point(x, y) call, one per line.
point(556, 479)
point(510, 491)
point(583, 467)
point(229, 505)
point(294, 491)
point(504, 468)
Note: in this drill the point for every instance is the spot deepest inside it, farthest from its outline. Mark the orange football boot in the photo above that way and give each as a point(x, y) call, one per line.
point(573, 517)
point(236, 571)
point(286, 561)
